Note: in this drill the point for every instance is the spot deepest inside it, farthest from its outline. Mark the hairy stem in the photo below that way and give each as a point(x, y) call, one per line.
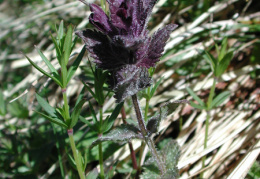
point(129, 143)
point(100, 152)
point(75, 154)
point(144, 132)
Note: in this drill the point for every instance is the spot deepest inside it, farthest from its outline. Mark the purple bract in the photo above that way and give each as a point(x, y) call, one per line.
point(121, 44)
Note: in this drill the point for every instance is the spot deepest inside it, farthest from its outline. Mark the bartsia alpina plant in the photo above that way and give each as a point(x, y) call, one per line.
point(121, 44)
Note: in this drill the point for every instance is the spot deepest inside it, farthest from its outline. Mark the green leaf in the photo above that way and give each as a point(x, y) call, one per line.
point(211, 60)
point(170, 155)
point(75, 64)
point(92, 126)
point(61, 31)
point(54, 120)
point(120, 134)
point(223, 49)
point(58, 50)
point(76, 112)
point(89, 89)
point(224, 64)
point(110, 121)
point(197, 106)
point(92, 174)
point(195, 97)
point(43, 72)
point(2, 104)
point(219, 99)
point(47, 62)
point(154, 122)
point(154, 88)
point(48, 108)
point(67, 45)
point(93, 114)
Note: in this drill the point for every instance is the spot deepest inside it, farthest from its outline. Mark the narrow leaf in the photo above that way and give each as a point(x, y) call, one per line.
point(67, 45)
point(89, 90)
point(154, 88)
point(2, 104)
point(58, 50)
point(123, 133)
point(61, 30)
point(94, 117)
point(110, 121)
point(211, 60)
point(219, 99)
point(93, 127)
point(224, 64)
point(195, 97)
point(223, 49)
point(54, 120)
point(48, 108)
point(76, 112)
point(43, 72)
point(47, 62)
point(75, 64)
point(197, 106)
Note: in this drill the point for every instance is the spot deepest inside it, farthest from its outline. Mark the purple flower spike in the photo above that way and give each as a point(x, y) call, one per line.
point(122, 45)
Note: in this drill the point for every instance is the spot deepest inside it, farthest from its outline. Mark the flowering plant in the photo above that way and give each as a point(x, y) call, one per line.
point(122, 46)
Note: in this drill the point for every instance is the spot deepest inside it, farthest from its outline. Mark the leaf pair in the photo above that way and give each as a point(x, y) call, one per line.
point(57, 115)
point(219, 65)
point(217, 101)
point(106, 124)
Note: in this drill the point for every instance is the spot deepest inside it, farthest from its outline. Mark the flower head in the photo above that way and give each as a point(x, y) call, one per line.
point(121, 44)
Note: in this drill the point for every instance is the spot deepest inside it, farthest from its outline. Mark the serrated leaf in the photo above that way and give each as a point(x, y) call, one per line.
point(154, 122)
point(48, 108)
point(67, 45)
point(195, 96)
point(223, 64)
point(122, 133)
point(43, 72)
point(76, 112)
point(170, 155)
point(75, 64)
point(110, 121)
point(219, 99)
point(54, 120)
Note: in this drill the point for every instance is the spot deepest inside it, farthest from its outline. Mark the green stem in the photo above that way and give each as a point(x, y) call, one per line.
point(100, 152)
point(144, 132)
point(75, 154)
point(66, 106)
point(210, 99)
